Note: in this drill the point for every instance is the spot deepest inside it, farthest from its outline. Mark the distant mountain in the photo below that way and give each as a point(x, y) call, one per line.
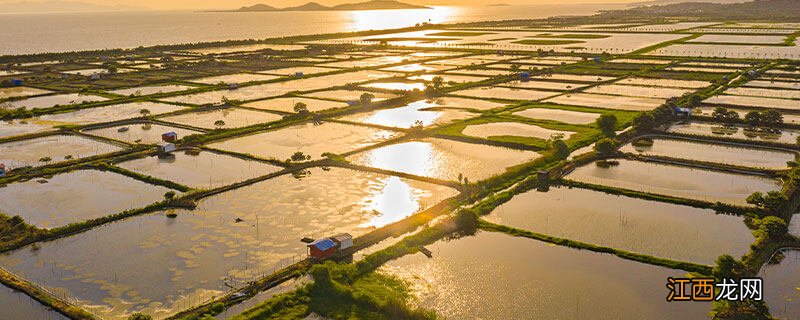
point(313, 6)
point(60, 6)
point(663, 2)
point(772, 10)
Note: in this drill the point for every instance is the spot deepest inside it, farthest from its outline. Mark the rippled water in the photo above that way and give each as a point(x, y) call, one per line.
point(58, 148)
point(496, 276)
point(782, 286)
point(144, 133)
point(719, 153)
point(231, 118)
point(17, 305)
point(788, 136)
point(407, 116)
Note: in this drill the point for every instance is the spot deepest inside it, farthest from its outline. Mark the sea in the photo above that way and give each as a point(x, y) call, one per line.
point(27, 33)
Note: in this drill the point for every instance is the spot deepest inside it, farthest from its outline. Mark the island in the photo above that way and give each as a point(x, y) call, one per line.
point(313, 6)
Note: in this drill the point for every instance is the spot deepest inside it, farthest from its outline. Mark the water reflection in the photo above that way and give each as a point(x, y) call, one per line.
point(396, 200)
point(389, 19)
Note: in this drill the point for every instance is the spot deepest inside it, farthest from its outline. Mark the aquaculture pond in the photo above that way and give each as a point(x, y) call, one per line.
point(230, 117)
point(574, 77)
point(310, 139)
point(782, 285)
point(52, 100)
point(668, 83)
point(17, 305)
point(497, 276)
point(654, 228)
point(505, 93)
point(200, 170)
point(638, 91)
point(408, 115)
point(718, 153)
point(14, 92)
point(466, 103)
point(294, 71)
point(548, 85)
point(235, 78)
point(795, 85)
point(140, 132)
point(444, 159)
point(397, 86)
point(763, 92)
point(676, 181)
point(607, 101)
point(349, 95)
point(10, 128)
point(513, 129)
point(567, 116)
point(76, 196)
point(787, 136)
point(51, 149)
point(148, 90)
point(287, 104)
point(160, 265)
point(109, 113)
point(448, 78)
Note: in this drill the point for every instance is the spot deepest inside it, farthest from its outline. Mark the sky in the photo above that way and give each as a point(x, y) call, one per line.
point(229, 4)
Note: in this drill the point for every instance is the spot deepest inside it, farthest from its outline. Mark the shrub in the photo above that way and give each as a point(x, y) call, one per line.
point(607, 123)
point(606, 147)
point(773, 227)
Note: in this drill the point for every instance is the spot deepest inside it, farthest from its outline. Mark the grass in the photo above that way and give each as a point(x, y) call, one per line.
point(542, 42)
point(665, 44)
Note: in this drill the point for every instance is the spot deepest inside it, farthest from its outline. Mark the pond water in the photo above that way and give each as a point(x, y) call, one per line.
point(744, 51)
point(574, 77)
point(497, 276)
point(466, 103)
point(729, 38)
point(28, 152)
point(505, 93)
point(158, 265)
point(703, 69)
point(718, 153)
point(148, 90)
point(10, 128)
point(292, 71)
point(245, 48)
point(638, 91)
point(782, 286)
point(448, 78)
point(480, 72)
point(17, 305)
point(667, 83)
point(676, 181)
point(608, 101)
point(415, 67)
point(774, 84)
point(76, 196)
point(52, 100)
point(232, 118)
point(548, 85)
point(287, 104)
point(349, 95)
point(143, 132)
point(517, 129)
point(444, 159)
point(109, 113)
point(654, 228)
point(205, 170)
point(787, 136)
point(400, 86)
point(313, 140)
point(235, 78)
point(761, 92)
point(408, 115)
point(14, 92)
point(567, 116)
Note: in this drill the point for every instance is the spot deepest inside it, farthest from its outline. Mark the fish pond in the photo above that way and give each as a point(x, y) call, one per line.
point(718, 153)
point(408, 115)
point(49, 149)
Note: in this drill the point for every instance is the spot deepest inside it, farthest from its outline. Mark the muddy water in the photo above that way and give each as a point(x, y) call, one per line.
point(676, 181)
point(515, 129)
point(313, 140)
point(497, 276)
point(718, 153)
point(205, 170)
point(444, 159)
point(408, 115)
point(782, 286)
point(52, 100)
point(109, 113)
point(654, 228)
point(19, 127)
point(76, 196)
point(159, 265)
point(57, 147)
point(567, 116)
point(287, 104)
point(505, 93)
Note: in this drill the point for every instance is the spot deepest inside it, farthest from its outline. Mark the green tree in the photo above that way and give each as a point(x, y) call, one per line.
point(366, 98)
point(140, 316)
point(771, 118)
point(559, 148)
point(728, 267)
point(719, 114)
point(144, 112)
point(437, 82)
point(300, 156)
point(605, 147)
point(219, 124)
point(607, 123)
point(752, 118)
point(644, 121)
point(301, 108)
point(773, 227)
